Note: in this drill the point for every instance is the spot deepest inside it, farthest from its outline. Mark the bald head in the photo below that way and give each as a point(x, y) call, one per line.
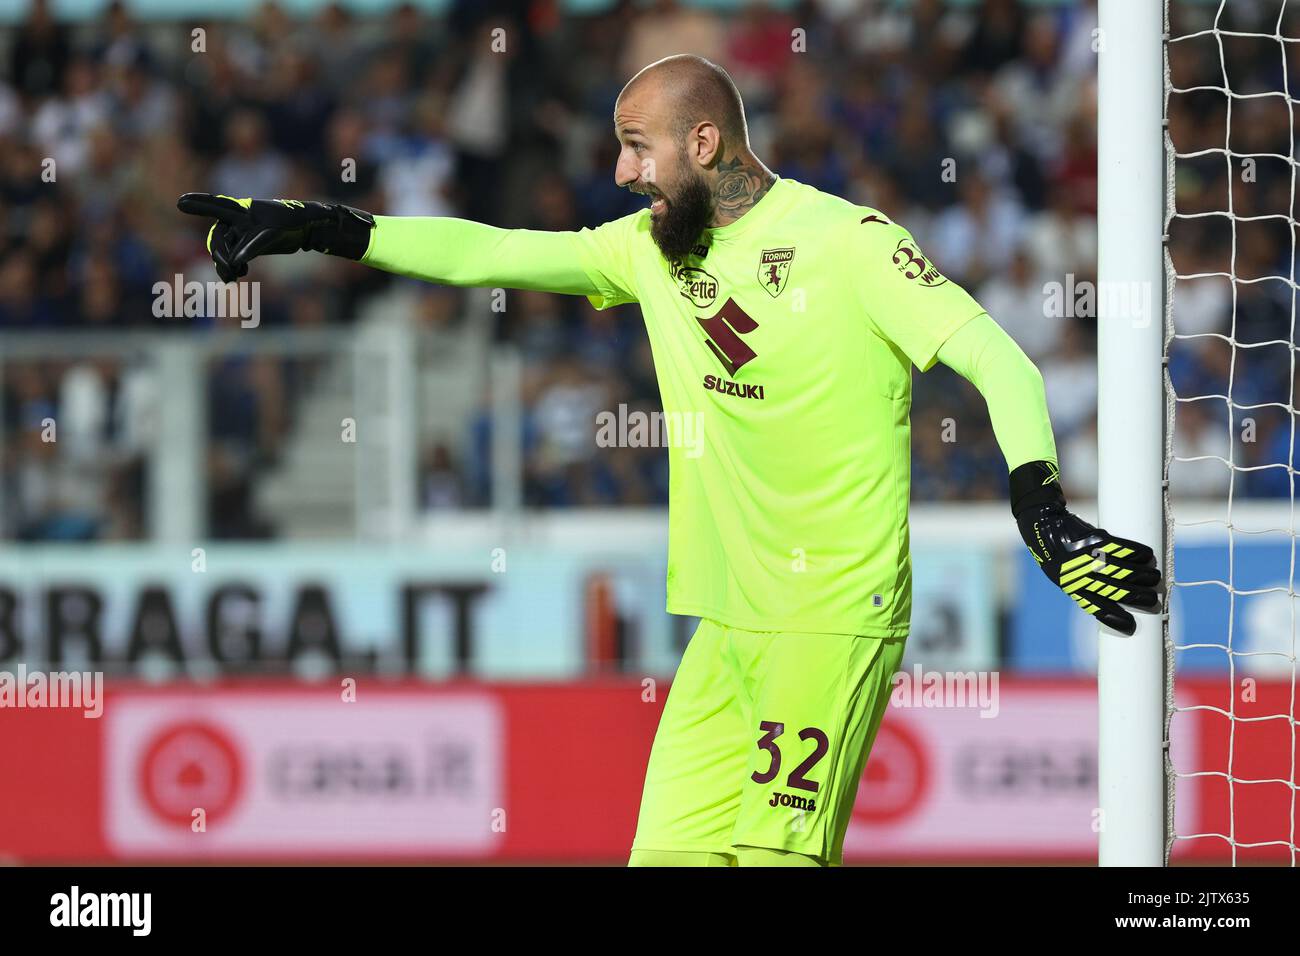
point(691, 90)
point(683, 144)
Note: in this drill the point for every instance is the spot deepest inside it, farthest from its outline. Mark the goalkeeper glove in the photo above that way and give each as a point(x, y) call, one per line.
point(248, 228)
point(1102, 573)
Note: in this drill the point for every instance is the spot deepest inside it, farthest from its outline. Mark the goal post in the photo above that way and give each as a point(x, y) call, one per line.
point(1131, 293)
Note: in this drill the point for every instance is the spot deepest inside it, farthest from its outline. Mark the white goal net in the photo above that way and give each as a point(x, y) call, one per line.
point(1232, 79)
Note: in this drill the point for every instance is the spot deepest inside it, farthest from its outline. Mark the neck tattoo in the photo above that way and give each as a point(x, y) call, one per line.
point(740, 184)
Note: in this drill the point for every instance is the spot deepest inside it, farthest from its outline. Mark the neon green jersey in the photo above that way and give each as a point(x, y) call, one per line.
point(786, 340)
point(782, 349)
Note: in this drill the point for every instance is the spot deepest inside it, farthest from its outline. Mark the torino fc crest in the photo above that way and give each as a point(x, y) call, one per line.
point(774, 269)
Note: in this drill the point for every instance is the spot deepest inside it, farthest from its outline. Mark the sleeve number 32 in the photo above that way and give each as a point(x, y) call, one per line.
point(798, 779)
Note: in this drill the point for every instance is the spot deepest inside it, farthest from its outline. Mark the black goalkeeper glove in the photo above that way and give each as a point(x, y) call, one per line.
point(1098, 570)
point(248, 228)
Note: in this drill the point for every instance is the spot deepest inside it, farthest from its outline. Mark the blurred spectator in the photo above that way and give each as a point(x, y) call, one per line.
point(418, 174)
point(251, 167)
point(1020, 304)
point(301, 104)
point(441, 485)
point(1040, 96)
point(347, 169)
point(1070, 378)
point(664, 27)
point(140, 101)
point(565, 412)
point(979, 235)
point(758, 50)
point(914, 157)
point(40, 52)
point(1062, 240)
point(478, 122)
point(1201, 451)
point(998, 37)
point(1079, 462)
point(61, 125)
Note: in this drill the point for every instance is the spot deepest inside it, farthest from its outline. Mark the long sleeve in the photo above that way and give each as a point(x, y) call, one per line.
point(986, 356)
point(901, 291)
point(460, 252)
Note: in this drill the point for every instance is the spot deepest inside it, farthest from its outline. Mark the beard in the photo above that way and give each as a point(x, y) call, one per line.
point(678, 228)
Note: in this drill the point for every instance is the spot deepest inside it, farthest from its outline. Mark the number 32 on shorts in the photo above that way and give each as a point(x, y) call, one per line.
point(798, 777)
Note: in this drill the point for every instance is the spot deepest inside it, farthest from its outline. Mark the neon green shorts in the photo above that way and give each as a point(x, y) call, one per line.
point(763, 741)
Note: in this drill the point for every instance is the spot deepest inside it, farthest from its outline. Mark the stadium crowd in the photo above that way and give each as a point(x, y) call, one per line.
point(974, 125)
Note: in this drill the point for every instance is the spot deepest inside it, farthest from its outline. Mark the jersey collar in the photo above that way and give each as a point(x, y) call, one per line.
point(773, 202)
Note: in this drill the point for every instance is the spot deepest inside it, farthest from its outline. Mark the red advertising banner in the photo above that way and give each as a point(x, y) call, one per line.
point(467, 772)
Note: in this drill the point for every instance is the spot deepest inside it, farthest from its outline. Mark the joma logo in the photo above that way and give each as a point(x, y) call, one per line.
point(789, 800)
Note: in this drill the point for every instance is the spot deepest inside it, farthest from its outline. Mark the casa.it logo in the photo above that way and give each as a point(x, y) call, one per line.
point(189, 766)
point(896, 778)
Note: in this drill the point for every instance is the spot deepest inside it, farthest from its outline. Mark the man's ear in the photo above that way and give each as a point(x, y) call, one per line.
point(704, 144)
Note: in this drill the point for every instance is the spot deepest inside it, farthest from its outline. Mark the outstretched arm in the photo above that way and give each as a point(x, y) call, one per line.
point(466, 253)
point(1102, 573)
point(449, 251)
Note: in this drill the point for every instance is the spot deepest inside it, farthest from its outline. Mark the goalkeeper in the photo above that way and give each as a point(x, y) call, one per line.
point(788, 321)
